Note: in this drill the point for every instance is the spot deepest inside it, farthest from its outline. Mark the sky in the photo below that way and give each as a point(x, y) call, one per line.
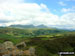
point(52, 13)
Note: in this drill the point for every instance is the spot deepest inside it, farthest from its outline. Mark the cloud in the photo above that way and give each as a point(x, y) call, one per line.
point(68, 19)
point(62, 3)
point(44, 7)
point(25, 13)
point(11, 1)
point(16, 12)
point(4, 21)
point(68, 9)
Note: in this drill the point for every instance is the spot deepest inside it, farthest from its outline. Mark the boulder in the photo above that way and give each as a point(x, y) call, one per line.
point(8, 45)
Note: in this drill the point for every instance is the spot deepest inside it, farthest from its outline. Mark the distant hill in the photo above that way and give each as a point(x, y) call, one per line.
point(28, 26)
point(22, 26)
point(41, 26)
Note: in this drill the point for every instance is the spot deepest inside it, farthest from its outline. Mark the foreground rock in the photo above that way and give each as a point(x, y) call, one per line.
point(9, 49)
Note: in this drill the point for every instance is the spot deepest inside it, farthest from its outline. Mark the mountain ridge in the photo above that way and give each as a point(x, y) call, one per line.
point(28, 26)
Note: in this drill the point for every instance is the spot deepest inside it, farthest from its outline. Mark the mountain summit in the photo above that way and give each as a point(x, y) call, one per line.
point(28, 26)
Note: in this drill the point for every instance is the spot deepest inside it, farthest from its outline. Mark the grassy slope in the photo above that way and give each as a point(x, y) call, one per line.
point(52, 47)
point(46, 41)
point(17, 35)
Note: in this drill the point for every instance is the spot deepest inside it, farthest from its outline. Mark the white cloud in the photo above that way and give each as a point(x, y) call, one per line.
point(68, 19)
point(44, 7)
point(31, 13)
point(62, 3)
point(65, 10)
point(25, 13)
point(11, 1)
point(68, 9)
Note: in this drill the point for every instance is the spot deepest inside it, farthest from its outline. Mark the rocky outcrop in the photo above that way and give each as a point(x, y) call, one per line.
point(8, 49)
point(21, 45)
point(8, 45)
point(32, 51)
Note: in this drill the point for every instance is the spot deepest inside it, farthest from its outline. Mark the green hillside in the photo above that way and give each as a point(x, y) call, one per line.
point(11, 33)
point(52, 47)
point(47, 42)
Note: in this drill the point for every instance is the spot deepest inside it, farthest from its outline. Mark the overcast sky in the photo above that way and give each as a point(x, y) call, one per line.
point(55, 13)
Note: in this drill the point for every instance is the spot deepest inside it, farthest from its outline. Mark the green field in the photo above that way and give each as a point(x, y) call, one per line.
point(47, 42)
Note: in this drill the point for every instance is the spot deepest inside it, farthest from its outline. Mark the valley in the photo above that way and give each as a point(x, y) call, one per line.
point(44, 41)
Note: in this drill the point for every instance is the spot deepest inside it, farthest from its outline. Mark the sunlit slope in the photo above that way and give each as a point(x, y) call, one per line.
point(16, 35)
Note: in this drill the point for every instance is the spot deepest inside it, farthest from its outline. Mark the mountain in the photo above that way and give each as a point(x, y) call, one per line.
point(22, 26)
point(41, 26)
point(28, 26)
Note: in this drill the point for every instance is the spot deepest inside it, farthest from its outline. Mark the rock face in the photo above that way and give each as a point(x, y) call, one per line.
point(21, 45)
point(1, 48)
point(8, 45)
point(32, 51)
point(8, 48)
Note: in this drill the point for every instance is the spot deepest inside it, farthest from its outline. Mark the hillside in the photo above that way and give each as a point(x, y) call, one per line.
point(28, 26)
point(52, 47)
point(46, 41)
point(12, 33)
